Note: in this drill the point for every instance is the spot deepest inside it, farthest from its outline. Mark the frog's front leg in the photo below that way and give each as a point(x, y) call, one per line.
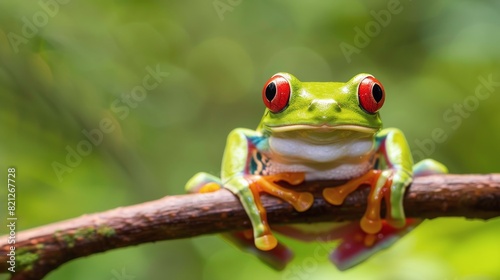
point(239, 178)
point(277, 258)
point(387, 182)
point(371, 221)
point(357, 245)
point(248, 188)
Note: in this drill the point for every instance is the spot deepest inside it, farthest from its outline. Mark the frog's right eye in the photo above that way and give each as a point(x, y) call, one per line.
point(371, 94)
point(276, 93)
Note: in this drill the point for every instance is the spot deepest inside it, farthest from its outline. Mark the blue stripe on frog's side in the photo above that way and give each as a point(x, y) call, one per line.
point(257, 162)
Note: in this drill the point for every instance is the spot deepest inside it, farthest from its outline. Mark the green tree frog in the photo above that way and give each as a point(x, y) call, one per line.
point(319, 131)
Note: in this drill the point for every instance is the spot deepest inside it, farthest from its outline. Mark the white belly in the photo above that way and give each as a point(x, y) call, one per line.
point(321, 161)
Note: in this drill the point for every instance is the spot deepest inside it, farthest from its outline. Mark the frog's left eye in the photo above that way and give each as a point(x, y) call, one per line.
point(276, 93)
point(371, 95)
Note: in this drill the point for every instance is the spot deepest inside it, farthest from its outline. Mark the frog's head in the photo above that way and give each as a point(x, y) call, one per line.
point(319, 107)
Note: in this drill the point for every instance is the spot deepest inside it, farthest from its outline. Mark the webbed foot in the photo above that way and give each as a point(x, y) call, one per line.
point(270, 251)
point(301, 201)
point(380, 183)
point(248, 188)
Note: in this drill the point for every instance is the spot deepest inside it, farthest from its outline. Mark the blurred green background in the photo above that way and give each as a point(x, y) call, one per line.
point(67, 66)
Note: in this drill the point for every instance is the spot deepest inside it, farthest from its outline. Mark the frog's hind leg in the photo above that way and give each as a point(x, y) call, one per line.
point(203, 182)
point(356, 245)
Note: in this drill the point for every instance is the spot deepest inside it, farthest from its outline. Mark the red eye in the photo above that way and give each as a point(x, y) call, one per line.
point(276, 93)
point(371, 95)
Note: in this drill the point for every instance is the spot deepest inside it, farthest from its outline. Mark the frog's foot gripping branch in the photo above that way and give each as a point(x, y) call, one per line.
point(260, 242)
point(301, 201)
point(380, 183)
point(361, 240)
point(372, 233)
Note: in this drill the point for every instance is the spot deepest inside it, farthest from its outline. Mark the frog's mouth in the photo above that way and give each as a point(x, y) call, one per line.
point(321, 128)
point(322, 134)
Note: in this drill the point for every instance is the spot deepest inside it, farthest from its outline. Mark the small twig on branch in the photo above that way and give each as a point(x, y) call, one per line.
point(41, 250)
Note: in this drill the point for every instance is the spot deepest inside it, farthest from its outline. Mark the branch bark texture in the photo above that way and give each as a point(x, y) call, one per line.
point(41, 250)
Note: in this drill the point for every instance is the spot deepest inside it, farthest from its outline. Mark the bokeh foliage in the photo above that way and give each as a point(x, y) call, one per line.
point(61, 73)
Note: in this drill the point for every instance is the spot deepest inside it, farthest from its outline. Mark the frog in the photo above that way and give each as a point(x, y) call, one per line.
point(319, 131)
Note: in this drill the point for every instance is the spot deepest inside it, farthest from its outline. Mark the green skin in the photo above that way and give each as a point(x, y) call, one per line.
point(319, 115)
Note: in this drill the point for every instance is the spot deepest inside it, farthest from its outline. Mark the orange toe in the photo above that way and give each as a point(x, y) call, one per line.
point(266, 242)
point(210, 187)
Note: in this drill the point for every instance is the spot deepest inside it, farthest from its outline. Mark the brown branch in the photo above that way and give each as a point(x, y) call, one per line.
point(41, 250)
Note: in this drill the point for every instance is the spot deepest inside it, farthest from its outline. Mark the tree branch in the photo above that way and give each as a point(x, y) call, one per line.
point(41, 250)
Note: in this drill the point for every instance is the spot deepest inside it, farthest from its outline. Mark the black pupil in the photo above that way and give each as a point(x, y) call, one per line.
point(376, 92)
point(270, 91)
